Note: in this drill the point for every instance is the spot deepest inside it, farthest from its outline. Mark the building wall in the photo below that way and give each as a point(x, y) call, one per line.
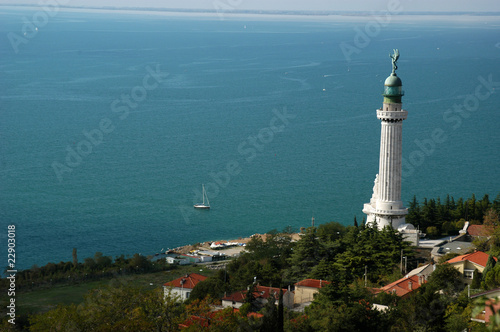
point(288, 299)
point(226, 303)
point(182, 293)
point(467, 265)
point(304, 294)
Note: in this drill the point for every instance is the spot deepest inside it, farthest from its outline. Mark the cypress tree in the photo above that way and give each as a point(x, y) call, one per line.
point(489, 266)
point(476, 280)
point(75, 258)
point(280, 312)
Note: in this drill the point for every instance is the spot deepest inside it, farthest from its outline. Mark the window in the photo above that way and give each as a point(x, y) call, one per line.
point(468, 274)
point(187, 294)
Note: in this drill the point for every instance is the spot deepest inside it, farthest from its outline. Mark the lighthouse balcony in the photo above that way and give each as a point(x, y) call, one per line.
point(392, 112)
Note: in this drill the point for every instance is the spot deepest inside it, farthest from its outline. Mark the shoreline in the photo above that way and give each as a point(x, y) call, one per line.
point(230, 251)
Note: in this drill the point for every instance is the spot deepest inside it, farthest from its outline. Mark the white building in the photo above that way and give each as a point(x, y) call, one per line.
point(183, 286)
point(385, 207)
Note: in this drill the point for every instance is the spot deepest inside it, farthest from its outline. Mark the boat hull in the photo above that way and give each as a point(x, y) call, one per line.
point(201, 206)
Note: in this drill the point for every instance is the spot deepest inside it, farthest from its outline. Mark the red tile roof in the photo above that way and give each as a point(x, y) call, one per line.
point(402, 287)
point(188, 281)
point(313, 283)
point(259, 292)
point(479, 230)
point(477, 257)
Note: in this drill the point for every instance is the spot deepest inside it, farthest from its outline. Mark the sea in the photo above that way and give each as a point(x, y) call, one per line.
point(111, 122)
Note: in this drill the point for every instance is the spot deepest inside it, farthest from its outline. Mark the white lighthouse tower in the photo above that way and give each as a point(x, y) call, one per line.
point(385, 207)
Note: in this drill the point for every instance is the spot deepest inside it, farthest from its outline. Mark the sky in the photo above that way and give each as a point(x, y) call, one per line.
point(329, 5)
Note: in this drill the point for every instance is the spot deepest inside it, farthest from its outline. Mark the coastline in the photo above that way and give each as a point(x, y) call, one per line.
point(229, 251)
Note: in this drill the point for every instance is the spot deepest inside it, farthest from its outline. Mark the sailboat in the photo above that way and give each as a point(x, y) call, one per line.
point(205, 197)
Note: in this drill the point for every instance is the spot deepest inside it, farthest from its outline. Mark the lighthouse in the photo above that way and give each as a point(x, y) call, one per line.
point(385, 207)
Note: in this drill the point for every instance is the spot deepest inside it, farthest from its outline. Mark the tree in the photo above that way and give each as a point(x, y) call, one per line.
point(102, 261)
point(492, 277)
point(139, 262)
point(496, 203)
point(270, 319)
point(114, 308)
point(446, 279)
point(352, 316)
point(89, 264)
point(306, 254)
point(476, 280)
point(458, 315)
point(491, 218)
point(75, 258)
point(330, 231)
point(213, 287)
point(490, 264)
point(378, 250)
point(280, 324)
point(432, 231)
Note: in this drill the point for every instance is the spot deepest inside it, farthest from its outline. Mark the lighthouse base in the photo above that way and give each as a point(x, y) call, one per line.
point(384, 218)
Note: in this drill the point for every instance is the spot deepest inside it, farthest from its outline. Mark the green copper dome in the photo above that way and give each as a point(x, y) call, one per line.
point(393, 80)
point(393, 86)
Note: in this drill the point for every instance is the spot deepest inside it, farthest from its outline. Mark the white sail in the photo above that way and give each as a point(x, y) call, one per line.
point(204, 205)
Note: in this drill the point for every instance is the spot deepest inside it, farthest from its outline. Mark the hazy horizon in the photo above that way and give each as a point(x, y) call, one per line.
point(293, 5)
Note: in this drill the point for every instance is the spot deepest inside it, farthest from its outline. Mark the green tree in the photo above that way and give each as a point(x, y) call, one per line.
point(432, 231)
point(114, 308)
point(139, 263)
point(102, 261)
point(476, 280)
point(306, 254)
point(214, 287)
point(458, 315)
point(490, 264)
point(414, 216)
point(75, 258)
point(270, 319)
point(280, 324)
point(496, 203)
point(492, 277)
point(89, 264)
point(446, 279)
point(330, 232)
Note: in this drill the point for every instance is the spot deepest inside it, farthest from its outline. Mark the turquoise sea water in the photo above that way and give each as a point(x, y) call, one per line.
point(214, 120)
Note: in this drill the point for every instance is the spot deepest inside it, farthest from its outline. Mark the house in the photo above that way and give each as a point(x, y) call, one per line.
point(451, 247)
point(402, 287)
point(178, 261)
point(305, 289)
point(183, 286)
point(466, 264)
point(490, 306)
point(261, 295)
point(422, 271)
point(479, 231)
